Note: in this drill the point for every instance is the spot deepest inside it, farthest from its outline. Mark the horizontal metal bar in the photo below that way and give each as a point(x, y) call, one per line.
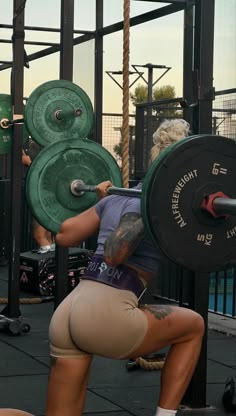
point(45, 29)
point(35, 43)
point(142, 18)
point(89, 35)
point(228, 91)
point(51, 50)
point(165, 1)
point(179, 100)
point(224, 206)
point(113, 190)
point(135, 193)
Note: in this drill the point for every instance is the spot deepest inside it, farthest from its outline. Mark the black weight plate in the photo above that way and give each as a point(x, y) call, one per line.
point(173, 190)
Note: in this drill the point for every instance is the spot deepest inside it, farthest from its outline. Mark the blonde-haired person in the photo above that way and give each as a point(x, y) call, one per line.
point(169, 132)
point(103, 314)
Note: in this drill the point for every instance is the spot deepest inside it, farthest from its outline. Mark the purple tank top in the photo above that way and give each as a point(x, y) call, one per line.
point(147, 255)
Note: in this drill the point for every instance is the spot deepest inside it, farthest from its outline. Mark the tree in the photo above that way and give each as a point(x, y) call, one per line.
point(164, 92)
point(140, 94)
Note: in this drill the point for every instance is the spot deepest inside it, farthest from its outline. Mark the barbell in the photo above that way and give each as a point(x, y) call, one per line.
point(55, 110)
point(188, 197)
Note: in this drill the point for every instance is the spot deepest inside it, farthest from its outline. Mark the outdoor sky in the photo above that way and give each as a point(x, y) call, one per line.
point(158, 42)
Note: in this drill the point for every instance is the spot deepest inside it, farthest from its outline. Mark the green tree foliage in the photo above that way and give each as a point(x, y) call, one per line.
point(159, 93)
point(118, 150)
point(162, 93)
point(140, 95)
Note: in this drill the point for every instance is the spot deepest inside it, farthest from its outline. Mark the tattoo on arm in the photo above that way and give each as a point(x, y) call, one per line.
point(123, 241)
point(159, 311)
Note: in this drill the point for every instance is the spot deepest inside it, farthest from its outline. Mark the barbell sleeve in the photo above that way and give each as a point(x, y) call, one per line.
point(60, 115)
point(67, 114)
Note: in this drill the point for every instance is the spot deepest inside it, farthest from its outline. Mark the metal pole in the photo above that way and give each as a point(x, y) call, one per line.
point(78, 188)
point(189, 81)
point(66, 72)
point(224, 206)
point(195, 396)
point(149, 112)
point(98, 81)
point(17, 85)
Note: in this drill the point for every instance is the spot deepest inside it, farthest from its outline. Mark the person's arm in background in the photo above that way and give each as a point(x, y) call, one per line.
point(26, 161)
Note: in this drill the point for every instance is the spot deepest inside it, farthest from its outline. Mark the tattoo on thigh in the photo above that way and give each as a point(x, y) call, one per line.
point(160, 312)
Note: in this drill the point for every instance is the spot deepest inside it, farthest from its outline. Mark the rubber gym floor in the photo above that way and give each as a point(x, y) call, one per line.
point(112, 389)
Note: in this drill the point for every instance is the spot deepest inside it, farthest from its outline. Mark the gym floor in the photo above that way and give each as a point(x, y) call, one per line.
point(112, 390)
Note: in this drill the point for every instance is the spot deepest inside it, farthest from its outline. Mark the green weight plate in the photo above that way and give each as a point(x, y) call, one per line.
point(50, 98)
point(6, 135)
point(55, 168)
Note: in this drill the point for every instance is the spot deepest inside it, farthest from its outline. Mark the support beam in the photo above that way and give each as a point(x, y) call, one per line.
point(66, 72)
point(17, 86)
point(98, 82)
point(165, 1)
point(143, 18)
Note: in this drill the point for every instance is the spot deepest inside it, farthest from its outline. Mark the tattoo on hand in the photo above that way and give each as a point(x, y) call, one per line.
point(160, 312)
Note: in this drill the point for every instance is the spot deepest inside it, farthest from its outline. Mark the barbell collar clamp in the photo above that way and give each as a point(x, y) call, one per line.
point(219, 205)
point(5, 123)
point(76, 187)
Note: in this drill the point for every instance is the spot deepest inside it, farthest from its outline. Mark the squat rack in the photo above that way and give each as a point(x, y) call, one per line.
point(197, 87)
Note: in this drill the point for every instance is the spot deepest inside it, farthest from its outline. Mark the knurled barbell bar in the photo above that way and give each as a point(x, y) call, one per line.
point(216, 204)
point(55, 110)
point(188, 197)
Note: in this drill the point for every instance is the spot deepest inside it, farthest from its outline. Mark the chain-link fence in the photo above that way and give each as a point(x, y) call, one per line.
point(224, 114)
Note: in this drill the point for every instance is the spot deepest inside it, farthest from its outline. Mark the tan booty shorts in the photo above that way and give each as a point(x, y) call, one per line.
point(97, 319)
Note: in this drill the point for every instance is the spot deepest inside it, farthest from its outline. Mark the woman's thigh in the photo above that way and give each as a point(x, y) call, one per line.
point(168, 325)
